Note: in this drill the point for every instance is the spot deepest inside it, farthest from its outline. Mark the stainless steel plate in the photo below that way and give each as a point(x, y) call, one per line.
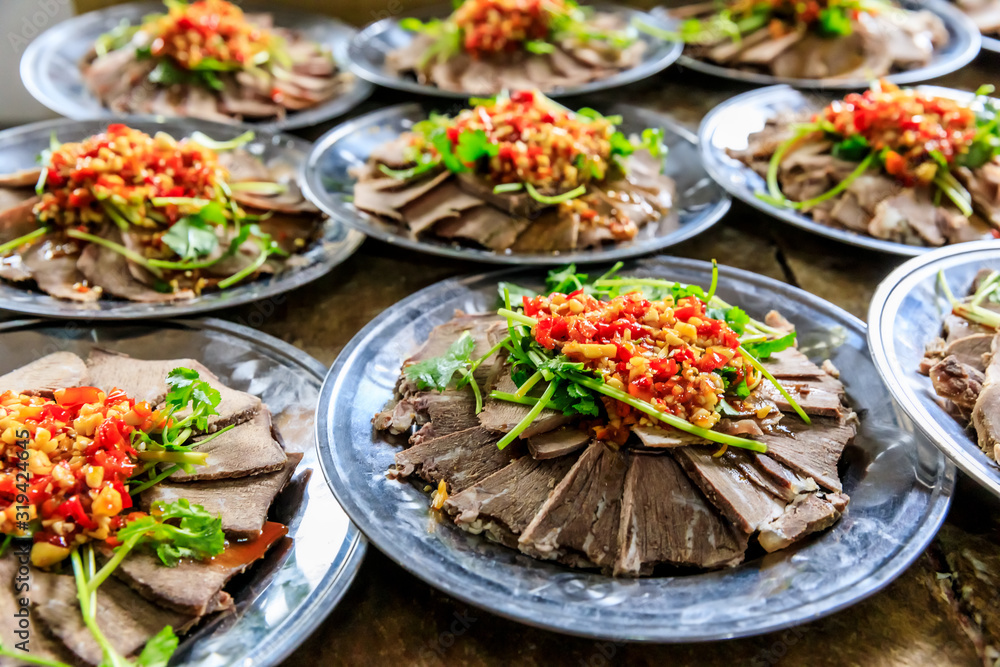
point(50, 65)
point(963, 45)
point(19, 148)
point(905, 314)
point(369, 48)
point(286, 595)
point(329, 184)
point(900, 488)
point(730, 124)
point(991, 44)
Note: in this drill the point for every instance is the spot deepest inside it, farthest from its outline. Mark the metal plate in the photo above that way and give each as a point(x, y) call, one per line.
point(287, 595)
point(906, 313)
point(19, 148)
point(330, 186)
point(50, 65)
point(370, 46)
point(729, 125)
point(963, 45)
point(900, 488)
point(991, 44)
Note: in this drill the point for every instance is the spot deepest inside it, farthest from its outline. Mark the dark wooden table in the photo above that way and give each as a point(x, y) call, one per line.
point(942, 611)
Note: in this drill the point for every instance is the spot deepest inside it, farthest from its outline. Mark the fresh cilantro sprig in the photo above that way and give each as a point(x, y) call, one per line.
point(437, 373)
point(174, 531)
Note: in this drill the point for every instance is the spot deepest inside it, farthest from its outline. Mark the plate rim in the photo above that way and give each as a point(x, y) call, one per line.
point(348, 559)
point(352, 241)
point(952, 17)
point(903, 557)
point(881, 313)
point(361, 89)
point(376, 76)
point(717, 164)
point(315, 192)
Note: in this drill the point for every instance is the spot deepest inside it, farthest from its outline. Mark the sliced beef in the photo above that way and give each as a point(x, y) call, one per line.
point(557, 443)
point(503, 504)
point(958, 382)
point(147, 381)
point(971, 350)
point(17, 214)
point(665, 519)
point(790, 363)
point(248, 449)
point(53, 266)
point(442, 413)
point(986, 412)
point(581, 515)
point(816, 396)
point(128, 619)
point(243, 503)
point(956, 326)
point(192, 587)
point(460, 459)
point(658, 438)
point(741, 501)
point(774, 476)
point(549, 233)
point(109, 270)
point(58, 370)
point(514, 203)
point(25, 178)
point(372, 197)
point(809, 513)
point(140, 379)
point(813, 450)
point(445, 202)
point(898, 217)
point(39, 645)
point(502, 416)
point(487, 226)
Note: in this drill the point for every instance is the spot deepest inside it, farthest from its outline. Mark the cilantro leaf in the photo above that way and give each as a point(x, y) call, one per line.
point(516, 292)
point(835, 22)
point(159, 649)
point(176, 530)
point(437, 372)
point(191, 237)
point(474, 145)
point(852, 149)
point(765, 349)
point(653, 140)
point(565, 280)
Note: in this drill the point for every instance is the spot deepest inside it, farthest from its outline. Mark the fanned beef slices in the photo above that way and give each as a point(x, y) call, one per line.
point(663, 499)
point(247, 468)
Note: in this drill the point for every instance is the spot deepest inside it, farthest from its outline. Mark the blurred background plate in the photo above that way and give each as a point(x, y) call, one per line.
point(369, 47)
point(19, 149)
point(50, 66)
point(729, 125)
point(900, 487)
point(285, 596)
point(963, 44)
point(906, 313)
point(329, 184)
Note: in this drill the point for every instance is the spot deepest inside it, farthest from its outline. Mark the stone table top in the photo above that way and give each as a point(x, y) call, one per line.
point(942, 611)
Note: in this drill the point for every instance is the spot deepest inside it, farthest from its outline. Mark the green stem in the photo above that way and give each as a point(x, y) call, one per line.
point(194, 458)
point(21, 240)
point(528, 418)
point(184, 266)
point(947, 290)
point(6, 543)
point(511, 398)
point(115, 216)
point(87, 608)
point(475, 389)
point(772, 168)
point(119, 555)
point(246, 272)
point(116, 247)
point(672, 420)
point(784, 392)
point(26, 658)
point(153, 482)
point(715, 281)
point(180, 201)
point(517, 317)
point(781, 200)
point(528, 384)
point(209, 142)
point(555, 199)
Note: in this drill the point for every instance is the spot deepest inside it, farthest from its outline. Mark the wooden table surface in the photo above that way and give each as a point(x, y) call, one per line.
point(942, 611)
